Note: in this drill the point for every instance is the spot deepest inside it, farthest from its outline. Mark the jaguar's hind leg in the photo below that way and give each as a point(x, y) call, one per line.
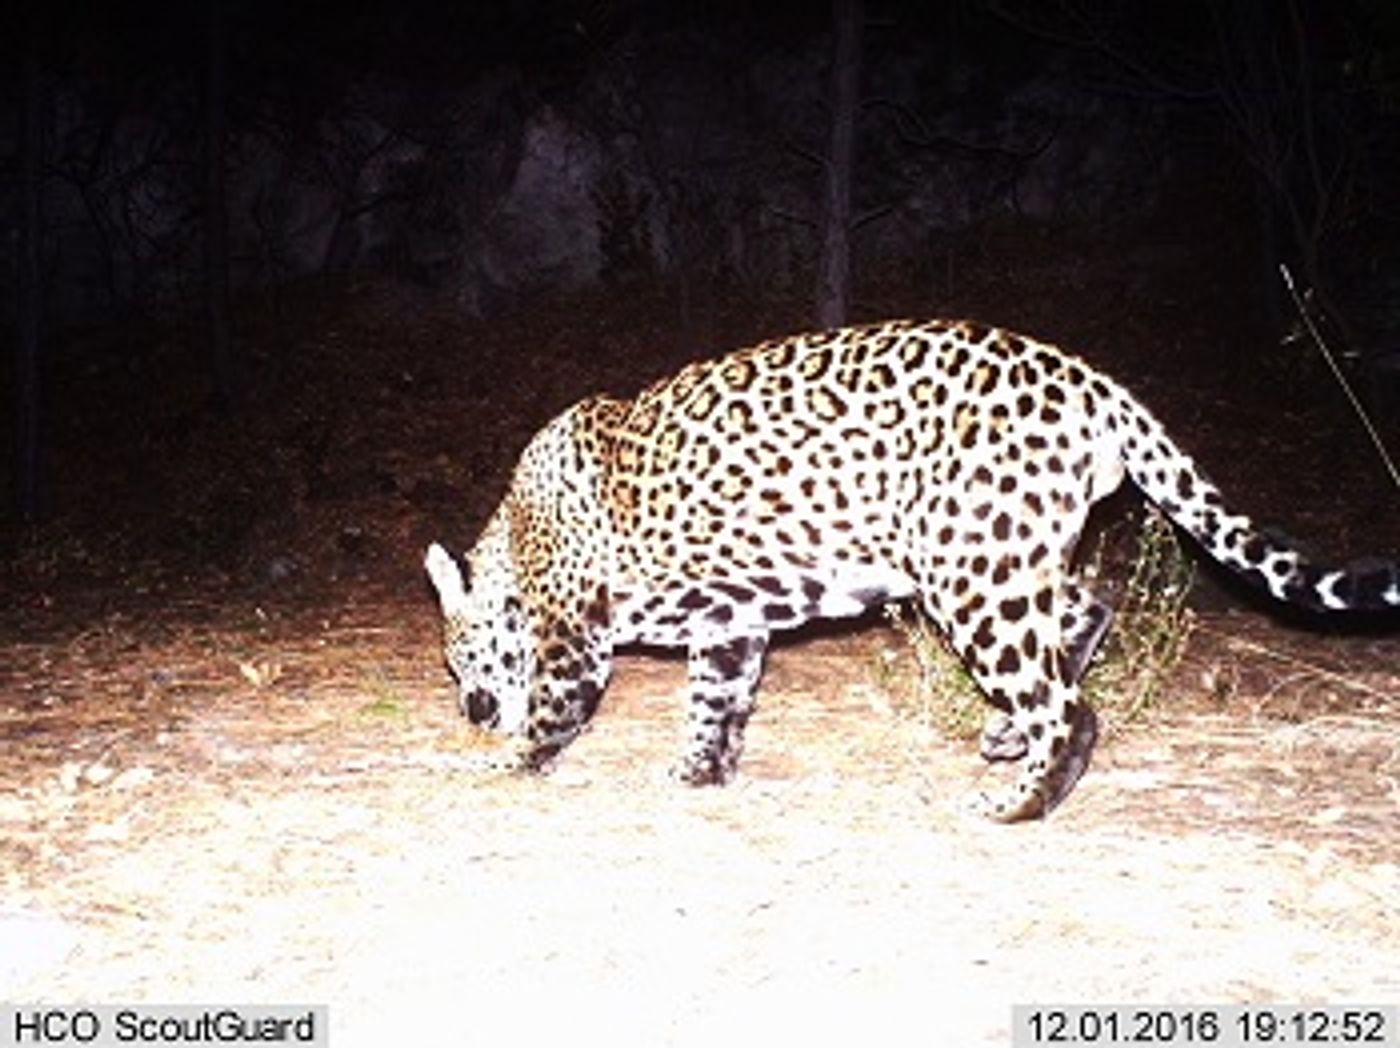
point(1027, 648)
point(723, 677)
point(1084, 621)
point(1059, 732)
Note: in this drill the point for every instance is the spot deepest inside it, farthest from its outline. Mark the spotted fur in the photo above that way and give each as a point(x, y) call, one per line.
point(813, 477)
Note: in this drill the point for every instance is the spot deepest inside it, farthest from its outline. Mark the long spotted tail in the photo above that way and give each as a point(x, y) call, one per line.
point(1169, 477)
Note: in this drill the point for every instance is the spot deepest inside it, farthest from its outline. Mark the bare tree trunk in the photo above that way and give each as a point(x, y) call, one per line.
point(29, 487)
point(227, 384)
point(834, 266)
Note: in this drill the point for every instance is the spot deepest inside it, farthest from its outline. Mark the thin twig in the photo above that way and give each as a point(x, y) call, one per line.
point(1341, 378)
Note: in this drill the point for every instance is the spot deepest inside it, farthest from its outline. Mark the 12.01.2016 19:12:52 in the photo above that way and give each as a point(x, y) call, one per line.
point(1220, 1026)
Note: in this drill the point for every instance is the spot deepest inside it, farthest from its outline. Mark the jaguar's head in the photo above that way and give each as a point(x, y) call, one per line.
point(485, 635)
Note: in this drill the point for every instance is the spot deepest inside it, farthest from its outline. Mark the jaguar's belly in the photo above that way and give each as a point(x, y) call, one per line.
point(727, 602)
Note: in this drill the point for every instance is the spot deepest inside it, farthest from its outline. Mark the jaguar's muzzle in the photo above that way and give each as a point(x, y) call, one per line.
point(481, 708)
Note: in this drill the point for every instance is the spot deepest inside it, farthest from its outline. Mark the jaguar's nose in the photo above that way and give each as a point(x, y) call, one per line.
point(481, 708)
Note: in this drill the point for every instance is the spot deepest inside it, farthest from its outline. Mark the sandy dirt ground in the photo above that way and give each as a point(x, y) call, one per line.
point(291, 814)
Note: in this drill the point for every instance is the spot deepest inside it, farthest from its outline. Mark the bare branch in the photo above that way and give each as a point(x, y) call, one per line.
point(912, 131)
point(1087, 34)
point(788, 216)
point(803, 153)
point(871, 215)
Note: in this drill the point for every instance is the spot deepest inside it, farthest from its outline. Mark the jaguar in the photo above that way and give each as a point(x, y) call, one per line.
point(816, 476)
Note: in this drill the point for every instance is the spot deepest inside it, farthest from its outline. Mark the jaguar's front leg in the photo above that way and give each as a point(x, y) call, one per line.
point(572, 667)
point(723, 677)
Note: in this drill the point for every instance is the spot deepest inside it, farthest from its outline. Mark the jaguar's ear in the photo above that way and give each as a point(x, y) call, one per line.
point(447, 579)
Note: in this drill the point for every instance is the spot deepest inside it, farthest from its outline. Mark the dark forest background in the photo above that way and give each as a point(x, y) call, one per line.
point(196, 198)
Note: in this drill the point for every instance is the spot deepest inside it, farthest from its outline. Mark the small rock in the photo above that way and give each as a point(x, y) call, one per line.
point(133, 778)
point(97, 773)
point(110, 832)
point(69, 776)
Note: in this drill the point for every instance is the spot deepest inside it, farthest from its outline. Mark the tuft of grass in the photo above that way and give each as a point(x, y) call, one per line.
point(939, 692)
point(1128, 674)
point(1151, 626)
point(386, 700)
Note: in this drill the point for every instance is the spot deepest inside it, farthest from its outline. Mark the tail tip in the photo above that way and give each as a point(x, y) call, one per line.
point(1365, 586)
